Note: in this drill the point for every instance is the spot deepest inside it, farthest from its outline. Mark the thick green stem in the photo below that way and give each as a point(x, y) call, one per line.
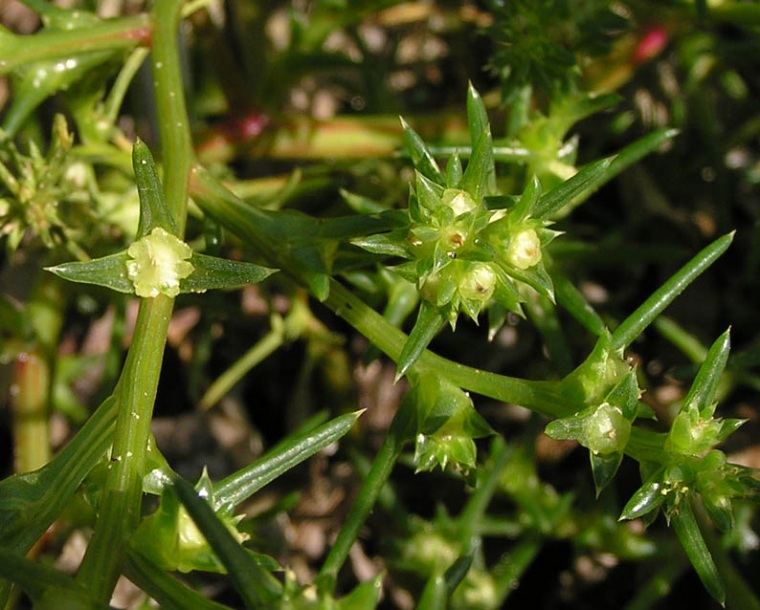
point(136, 390)
point(122, 493)
point(174, 128)
point(536, 395)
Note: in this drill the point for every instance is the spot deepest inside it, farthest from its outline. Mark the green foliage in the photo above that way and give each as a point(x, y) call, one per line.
point(538, 43)
point(43, 196)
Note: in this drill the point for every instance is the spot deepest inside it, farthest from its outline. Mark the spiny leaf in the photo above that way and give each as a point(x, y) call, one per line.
point(429, 322)
point(421, 157)
point(154, 211)
point(685, 525)
point(108, 271)
point(635, 323)
point(589, 177)
point(703, 390)
point(256, 586)
point(211, 272)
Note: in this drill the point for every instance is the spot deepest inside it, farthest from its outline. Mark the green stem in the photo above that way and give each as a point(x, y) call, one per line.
point(118, 91)
point(174, 128)
point(510, 569)
point(136, 389)
point(123, 33)
point(738, 592)
point(164, 588)
point(227, 380)
point(653, 591)
point(689, 344)
point(540, 396)
point(122, 492)
point(476, 507)
point(373, 485)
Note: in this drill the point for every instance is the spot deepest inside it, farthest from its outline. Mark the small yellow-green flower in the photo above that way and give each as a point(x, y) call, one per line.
point(479, 283)
point(158, 262)
point(459, 201)
point(524, 249)
point(606, 430)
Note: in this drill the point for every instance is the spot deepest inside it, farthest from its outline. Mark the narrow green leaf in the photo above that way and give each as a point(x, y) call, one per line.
point(169, 592)
point(42, 79)
point(153, 209)
point(583, 106)
point(635, 324)
point(576, 304)
point(257, 587)
point(434, 595)
point(388, 244)
point(429, 193)
point(587, 179)
point(440, 587)
point(453, 171)
point(361, 204)
point(429, 322)
point(627, 157)
point(528, 200)
point(364, 597)
point(421, 157)
point(566, 428)
point(37, 578)
point(705, 386)
point(108, 272)
point(241, 485)
point(458, 570)
point(647, 498)
point(685, 525)
point(604, 468)
point(211, 272)
point(478, 178)
point(30, 502)
point(626, 395)
point(477, 116)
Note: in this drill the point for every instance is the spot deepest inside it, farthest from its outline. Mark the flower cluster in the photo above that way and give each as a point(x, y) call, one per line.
point(466, 247)
point(607, 384)
point(158, 262)
point(44, 198)
point(691, 464)
point(446, 424)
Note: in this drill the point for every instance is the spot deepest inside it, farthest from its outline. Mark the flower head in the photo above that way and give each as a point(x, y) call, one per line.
point(157, 263)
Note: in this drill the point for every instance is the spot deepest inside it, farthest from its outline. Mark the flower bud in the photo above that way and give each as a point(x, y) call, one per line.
point(524, 249)
point(479, 283)
point(606, 430)
point(459, 201)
